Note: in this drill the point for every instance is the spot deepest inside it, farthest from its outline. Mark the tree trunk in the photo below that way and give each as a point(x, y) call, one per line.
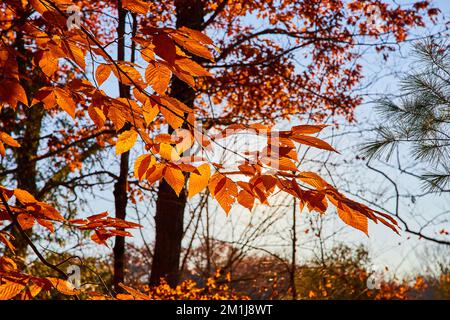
point(121, 185)
point(169, 207)
point(26, 174)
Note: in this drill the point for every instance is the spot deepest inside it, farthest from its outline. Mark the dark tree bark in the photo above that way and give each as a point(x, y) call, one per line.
point(26, 173)
point(169, 207)
point(121, 185)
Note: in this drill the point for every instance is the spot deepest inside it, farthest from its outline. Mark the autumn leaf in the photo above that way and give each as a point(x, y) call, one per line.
point(313, 142)
point(164, 47)
point(126, 141)
point(158, 76)
point(136, 6)
point(10, 289)
point(25, 220)
point(246, 199)
point(134, 294)
point(143, 162)
point(192, 67)
point(63, 286)
point(7, 139)
point(24, 196)
point(2, 149)
point(354, 219)
point(308, 128)
point(175, 178)
point(172, 113)
point(12, 93)
point(149, 111)
point(167, 152)
point(198, 182)
point(65, 101)
point(97, 115)
point(224, 190)
point(6, 241)
point(48, 63)
point(196, 35)
point(102, 73)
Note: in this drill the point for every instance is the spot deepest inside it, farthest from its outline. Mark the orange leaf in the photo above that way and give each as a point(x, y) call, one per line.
point(143, 162)
point(134, 293)
point(158, 76)
point(63, 286)
point(196, 35)
point(150, 111)
point(12, 93)
point(5, 241)
point(97, 116)
point(198, 182)
point(10, 289)
point(308, 128)
point(126, 141)
point(192, 67)
point(24, 196)
point(175, 178)
point(65, 101)
point(354, 219)
point(313, 142)
point(224, 190)
point(193, 46)
point(25, 220)
point(2, 149)
point(102, 73)
point(136, 6)
point(246, 199)
point(7, 139)
point(166, 151)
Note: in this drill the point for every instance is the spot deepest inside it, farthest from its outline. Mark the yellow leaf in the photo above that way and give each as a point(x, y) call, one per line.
point(10, 289)
point(166, 151)
point(175, 178)
point(150, 111)
point(184, 139)
point(198, 182)
point(158, 76)
point(126, 141)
